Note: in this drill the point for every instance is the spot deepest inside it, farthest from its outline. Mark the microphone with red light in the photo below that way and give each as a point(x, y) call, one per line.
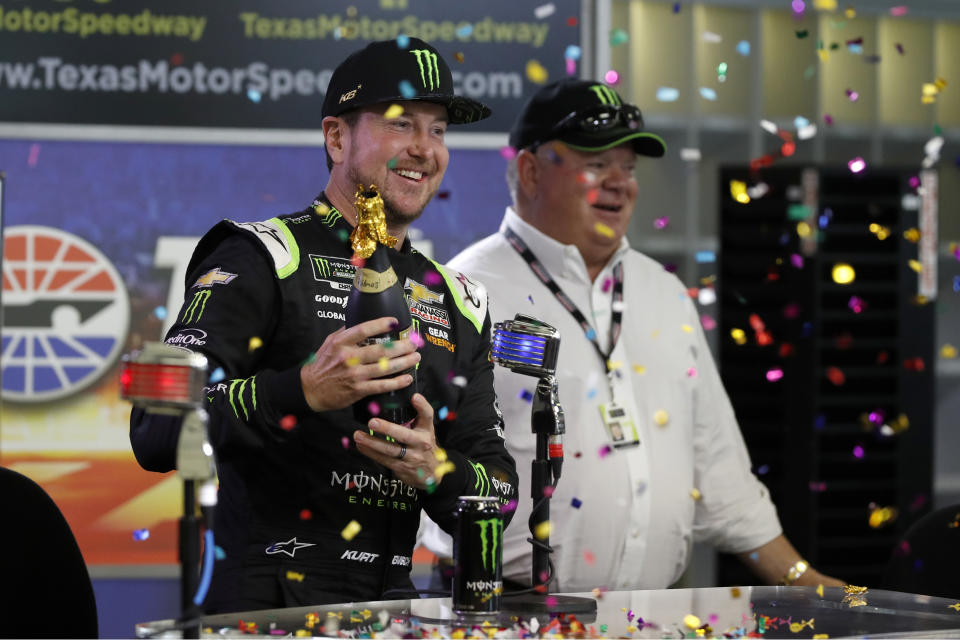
point(168, 380)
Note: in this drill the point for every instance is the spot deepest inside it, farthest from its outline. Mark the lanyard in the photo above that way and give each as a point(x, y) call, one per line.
point(616, 307)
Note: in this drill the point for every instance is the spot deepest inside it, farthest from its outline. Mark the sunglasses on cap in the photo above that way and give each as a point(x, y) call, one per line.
point(600, 118)
point(597, 118)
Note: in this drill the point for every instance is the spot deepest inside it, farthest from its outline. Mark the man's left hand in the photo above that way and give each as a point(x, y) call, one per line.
point(413, 455)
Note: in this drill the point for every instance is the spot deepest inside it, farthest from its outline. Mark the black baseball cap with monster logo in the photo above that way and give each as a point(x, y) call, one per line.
point(404, 68)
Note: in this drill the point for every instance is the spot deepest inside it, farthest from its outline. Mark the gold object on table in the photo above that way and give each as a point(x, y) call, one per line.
point(855, 596)
point(371, 222)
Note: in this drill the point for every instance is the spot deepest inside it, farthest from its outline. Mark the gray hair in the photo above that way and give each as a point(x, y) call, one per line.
point(512, 178)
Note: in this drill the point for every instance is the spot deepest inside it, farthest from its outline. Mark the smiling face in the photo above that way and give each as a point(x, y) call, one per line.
point(405, 156)
point(579, 197)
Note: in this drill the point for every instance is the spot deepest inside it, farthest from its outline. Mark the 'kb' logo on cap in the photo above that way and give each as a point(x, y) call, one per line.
point(429, 70)
point(606, 95)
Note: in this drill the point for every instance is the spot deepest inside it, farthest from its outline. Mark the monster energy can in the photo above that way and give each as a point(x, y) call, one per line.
point(477, 556)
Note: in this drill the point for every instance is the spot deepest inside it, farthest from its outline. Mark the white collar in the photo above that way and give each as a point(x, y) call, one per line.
point(561, 260)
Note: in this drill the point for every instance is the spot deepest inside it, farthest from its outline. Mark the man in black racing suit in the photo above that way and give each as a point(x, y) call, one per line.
point(312, 509)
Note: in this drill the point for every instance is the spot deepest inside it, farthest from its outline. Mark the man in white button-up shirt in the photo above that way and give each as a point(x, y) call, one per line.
point(654, 456)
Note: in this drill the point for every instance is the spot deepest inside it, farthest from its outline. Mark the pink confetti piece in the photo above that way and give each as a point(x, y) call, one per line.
point(709, 324)
point(417, 339)
point(797, 260)
point(857, 165)
point(852, 95)
point(34, 155)
point(611, 77)
point(661, 222)
point(607, 283)
point(604, 451)
point(508, 153)
point(774, 374)
point(345, 441)
point(858, 452)
point(510, 507)
point(288, 422)
point(571, 67)
point(548, 491)
point(432, 278)
point(818, 487)
point(373, 408)
point(692, 372)
point(896, 12)
point(828, 119)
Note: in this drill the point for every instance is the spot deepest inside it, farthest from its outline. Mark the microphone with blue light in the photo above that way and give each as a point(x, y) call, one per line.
point(529, 346)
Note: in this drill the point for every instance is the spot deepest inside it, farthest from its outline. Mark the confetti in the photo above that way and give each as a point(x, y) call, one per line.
point(708, 94)
point(374, 408)
point(141, 534)
point(618, 37)
point(604, 451)
point(739, 336)
point(544, 11)
point(858, 452)
point(856, 304)
point(459, 57)
point(836, 376)
point(345, 441)
point(692, 372)
point(575, 503)
point(896, 12)
point(217, 375)
point(882, 516)
point(442, 413)
point(293, 575)
point(464, 31)
point(526, 396)
point(352, 362)
point(692, 621)
point(542, 530)
point(160, 313)
point(611, 77)
point(416, 339)
point(775, 374)
point(712, 38)
point(403, 41)
point(351, 530)
point(661, 417)
point(640, 369)
point(661, 222)
point(852, 95)
point(254, 344)
point(604, 230)
point(686, 328)
point(948, 351)
point(667, 94)
point(536, 73)
point(219, 553)
point(254, 95)
point(843, 273)
point(708, 323)
point(288, 422)
point(393, 112)
point(572, 52)
point(406, 89)
point(572, 21)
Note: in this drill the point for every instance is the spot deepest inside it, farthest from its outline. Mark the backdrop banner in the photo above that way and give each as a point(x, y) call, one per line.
point(255, 64)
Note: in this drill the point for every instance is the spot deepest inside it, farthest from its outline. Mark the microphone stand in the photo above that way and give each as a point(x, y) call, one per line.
point(547, 423)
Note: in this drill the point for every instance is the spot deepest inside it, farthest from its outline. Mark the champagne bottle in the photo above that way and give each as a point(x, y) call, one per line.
point(377, 293)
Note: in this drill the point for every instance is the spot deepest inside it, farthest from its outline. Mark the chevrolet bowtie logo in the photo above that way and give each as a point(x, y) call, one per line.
point(214, 276)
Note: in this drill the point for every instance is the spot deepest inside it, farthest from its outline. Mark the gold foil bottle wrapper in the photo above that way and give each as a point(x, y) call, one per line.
point(371, 226)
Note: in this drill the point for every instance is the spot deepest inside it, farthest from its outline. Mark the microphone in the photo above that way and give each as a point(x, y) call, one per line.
point(530, 346)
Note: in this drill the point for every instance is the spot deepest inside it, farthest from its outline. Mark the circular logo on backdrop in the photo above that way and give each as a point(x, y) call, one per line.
point(65, 314)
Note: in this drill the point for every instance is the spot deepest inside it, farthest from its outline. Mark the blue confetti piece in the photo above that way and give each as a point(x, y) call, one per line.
point(573, 52)
point(160, 313)
point(918, 565)
point(219, 553)
point(575, 503)
point(141, 534)
point(254, 95)
point(217, 375)
point(591, 394)
point(754, 556)
point(465, 31)
point(443, 413)
point(676, 7)
point(667, 94)
point(855, 48)
point(403, 41)
point(800, 122)
point(708, 94)
point(591, 334)
point(956, 284)
point(406, 89)
point(526, 396)
point(743, 48)
point(820, 422)
point(763, 470)
point(706, 256)
point(530, 298)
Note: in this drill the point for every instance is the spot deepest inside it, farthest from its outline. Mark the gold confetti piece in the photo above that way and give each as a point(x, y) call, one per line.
point(734, 592)
point(695, 494)
point(738, 189)
point(912, 234)
point(351, 530)
point(293, 575)
point(850, 13)
point(948, 351)
point(440, 454)
point(383, 363)
point(604, 230)
point(955, 606)
point(843, 273)
point(613, 365)
point(687, 328)
point(824, 55)
point(661, 417)
point(304, 633)
point(322, 208)
point(739, 336)
point(940, 84)
point(825, 5)
point(393, 112)
point(820, 590)
point(821, 636)
point(352, 362)
point(254, 344)
point(929, 90)
point(536, 73)
point(459, 57)
point(916, 265)
point(443, 469)
point(639, 368)
point(542, 530)
point(691, 621)
point(882, 516)
point(631, 628)
point(804, 230)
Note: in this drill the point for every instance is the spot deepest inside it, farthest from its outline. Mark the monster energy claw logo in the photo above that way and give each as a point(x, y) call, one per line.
point(323, 266)
point(429, 70)
point(488, 550)
point(606, 95)
point(482, 485)
point(197, 306)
